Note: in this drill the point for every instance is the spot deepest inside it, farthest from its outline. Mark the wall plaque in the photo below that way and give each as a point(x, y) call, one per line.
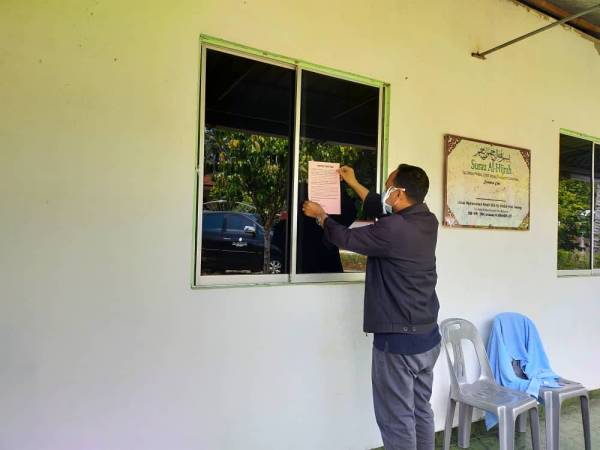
point(486, 184)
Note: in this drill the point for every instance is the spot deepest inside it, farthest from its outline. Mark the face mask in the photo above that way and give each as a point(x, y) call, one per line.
point(387, 209)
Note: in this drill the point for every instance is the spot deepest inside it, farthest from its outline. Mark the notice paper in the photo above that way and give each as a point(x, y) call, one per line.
point(324, 185)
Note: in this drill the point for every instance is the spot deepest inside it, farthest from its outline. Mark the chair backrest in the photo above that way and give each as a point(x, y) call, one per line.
point(454, 331)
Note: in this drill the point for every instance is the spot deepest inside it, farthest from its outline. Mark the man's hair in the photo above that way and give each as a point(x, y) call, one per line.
point(414, 180)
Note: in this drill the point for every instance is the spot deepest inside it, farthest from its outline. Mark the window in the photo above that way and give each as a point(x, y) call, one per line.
point(578, 201)
point(261, 121)
point(338, 122)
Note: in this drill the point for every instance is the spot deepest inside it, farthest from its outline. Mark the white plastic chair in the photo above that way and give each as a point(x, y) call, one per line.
point(484, 393)
point(553, 398)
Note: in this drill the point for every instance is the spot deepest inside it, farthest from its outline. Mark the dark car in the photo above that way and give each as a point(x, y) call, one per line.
point(234, 242)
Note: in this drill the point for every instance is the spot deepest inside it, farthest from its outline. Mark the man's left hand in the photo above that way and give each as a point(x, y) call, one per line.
point(312, 209)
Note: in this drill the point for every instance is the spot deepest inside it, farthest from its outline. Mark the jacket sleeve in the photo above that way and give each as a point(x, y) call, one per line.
point(347, 216)
point(348, 208)
point(371, 240)
point(372, 207)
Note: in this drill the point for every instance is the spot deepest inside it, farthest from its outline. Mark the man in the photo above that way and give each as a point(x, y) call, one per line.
point(401, 304)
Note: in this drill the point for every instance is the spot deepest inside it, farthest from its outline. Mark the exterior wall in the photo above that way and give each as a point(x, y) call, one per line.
point(104, 345)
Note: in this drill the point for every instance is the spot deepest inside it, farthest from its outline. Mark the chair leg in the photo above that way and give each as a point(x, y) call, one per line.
point(585, 416)
point(522, 423)
point(449, 422)
point(552, 415)
point(534, 421)
point(465, 417)
point(506, 431)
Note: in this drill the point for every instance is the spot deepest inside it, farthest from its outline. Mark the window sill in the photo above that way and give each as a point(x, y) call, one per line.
point(249, 284)
point(577, 273)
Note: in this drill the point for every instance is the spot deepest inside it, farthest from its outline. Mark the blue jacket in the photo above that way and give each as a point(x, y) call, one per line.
point(514, 337)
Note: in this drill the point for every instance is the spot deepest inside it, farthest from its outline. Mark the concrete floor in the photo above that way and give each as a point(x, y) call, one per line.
point(571, 432)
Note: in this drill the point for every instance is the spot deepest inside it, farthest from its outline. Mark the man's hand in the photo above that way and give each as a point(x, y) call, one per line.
point(347, 174)
point(312, 209)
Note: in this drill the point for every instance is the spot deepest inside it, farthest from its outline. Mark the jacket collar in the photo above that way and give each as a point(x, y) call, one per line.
point(414, 209)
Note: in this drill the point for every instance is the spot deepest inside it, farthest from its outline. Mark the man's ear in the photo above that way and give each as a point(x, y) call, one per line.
point(402, 195)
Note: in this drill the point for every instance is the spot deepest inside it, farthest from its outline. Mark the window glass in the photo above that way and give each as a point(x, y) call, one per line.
point(574, 204)
point(247, 162)
point(247, 156)
point(339, 123)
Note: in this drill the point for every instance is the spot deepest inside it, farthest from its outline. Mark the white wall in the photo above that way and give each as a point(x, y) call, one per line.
point(103, 345)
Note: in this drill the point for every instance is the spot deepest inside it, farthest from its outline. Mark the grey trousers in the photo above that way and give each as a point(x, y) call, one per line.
point(401, 394)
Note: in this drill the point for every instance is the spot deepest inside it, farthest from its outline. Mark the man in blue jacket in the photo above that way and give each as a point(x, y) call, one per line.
point(400, 304)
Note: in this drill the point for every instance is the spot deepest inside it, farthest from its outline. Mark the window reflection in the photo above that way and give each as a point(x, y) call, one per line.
point(339, 123)
point(248, 123)
point(247, 159)
point(574, 204)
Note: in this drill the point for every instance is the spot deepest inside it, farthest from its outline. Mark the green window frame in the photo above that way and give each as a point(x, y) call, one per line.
point(213, 43)
point(569, 262)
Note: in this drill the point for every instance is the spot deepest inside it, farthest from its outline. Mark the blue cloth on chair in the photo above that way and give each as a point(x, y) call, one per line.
point(514, 337)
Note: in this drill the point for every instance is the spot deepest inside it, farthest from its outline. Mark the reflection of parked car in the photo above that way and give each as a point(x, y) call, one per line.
point(234, 241)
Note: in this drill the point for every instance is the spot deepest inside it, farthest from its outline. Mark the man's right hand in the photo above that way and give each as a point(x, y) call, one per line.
point(347, 174)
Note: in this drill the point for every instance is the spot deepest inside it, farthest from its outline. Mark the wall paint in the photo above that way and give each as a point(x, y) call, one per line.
point(104, 345)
